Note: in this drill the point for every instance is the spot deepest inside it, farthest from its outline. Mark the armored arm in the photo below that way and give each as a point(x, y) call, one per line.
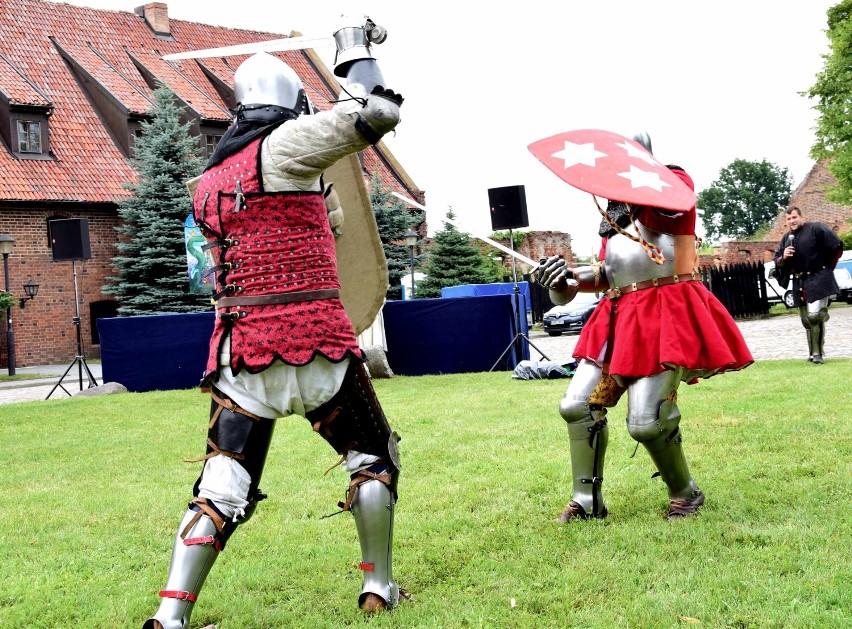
point(564, 283)
point(354, 60)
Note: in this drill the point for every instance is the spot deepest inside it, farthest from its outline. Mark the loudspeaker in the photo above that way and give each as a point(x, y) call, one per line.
point(508, 207)
point(69, 239)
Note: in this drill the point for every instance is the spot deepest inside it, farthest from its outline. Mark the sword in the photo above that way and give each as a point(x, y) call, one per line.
point(493, 243)
point(272, 45)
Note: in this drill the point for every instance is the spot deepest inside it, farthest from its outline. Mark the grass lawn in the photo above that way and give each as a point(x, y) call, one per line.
point(93, 488)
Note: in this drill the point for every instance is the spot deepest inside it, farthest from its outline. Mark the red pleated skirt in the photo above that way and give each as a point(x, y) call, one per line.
point(651, 330)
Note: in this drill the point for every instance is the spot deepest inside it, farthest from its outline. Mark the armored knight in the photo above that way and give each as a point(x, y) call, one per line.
point(282, 343)
point(807, 254)
point(656, 327)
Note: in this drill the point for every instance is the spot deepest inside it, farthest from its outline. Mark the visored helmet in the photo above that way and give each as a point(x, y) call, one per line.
point(266, 80)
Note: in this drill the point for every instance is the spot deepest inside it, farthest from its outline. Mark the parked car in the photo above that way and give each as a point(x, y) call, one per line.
point(774, 292)
point(572, 316)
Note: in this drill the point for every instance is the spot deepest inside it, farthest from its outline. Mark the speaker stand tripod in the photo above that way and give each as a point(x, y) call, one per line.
point(79, 359)
point(516, 342)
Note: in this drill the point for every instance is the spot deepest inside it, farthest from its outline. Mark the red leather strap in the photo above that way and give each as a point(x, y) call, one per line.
point(207, 539)
point(179, 594)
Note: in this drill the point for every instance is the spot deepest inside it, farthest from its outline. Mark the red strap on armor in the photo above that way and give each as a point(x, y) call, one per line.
point(367, 567)
point(179, 594)
point(207, 539)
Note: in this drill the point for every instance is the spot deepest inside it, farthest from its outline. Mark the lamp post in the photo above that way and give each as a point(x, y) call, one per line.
point(411, 238)
point(6, 244)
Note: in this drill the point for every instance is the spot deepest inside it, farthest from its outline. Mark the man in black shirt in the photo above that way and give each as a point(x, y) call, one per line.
point(807, 254)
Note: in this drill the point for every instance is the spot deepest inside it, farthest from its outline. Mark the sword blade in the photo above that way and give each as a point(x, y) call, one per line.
point(273, 45)
point(493, 243)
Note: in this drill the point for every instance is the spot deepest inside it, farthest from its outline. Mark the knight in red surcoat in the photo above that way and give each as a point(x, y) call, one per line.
point(656, 326)
point(282, 342)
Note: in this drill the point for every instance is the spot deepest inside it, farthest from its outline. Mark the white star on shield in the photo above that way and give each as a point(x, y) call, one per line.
point(642, 154)
point(642, 178)
point(574, 154)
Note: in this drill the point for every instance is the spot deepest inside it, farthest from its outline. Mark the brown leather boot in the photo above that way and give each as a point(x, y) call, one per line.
point(575, 511)
point(682, 507)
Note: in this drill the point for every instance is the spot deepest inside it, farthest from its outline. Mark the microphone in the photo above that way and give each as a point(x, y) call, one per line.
point(790, 238)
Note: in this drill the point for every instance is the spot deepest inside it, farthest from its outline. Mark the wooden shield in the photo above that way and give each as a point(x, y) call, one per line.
point(361, 263)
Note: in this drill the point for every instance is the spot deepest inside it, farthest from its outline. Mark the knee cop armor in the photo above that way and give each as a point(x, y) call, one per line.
point(656, 426)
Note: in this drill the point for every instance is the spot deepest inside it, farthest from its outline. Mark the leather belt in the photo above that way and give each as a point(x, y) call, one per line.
point(615, 293)
point(278, 298)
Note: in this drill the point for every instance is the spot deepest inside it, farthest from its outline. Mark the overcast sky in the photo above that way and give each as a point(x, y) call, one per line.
point(709, 81)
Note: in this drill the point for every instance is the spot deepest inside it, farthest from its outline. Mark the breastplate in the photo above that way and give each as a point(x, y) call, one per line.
point(628, 262)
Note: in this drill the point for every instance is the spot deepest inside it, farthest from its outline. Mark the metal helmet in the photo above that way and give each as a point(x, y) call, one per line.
point(266, 80)
point(644, 139)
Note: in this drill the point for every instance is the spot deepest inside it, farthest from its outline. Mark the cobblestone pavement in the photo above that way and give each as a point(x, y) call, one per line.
point(768, 339)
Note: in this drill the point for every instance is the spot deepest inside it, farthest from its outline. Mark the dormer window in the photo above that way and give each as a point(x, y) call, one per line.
point(27, 132)
point(29, 136)
point(211, 142)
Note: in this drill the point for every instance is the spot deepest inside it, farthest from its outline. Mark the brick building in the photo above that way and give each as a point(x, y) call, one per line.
point(75, 84)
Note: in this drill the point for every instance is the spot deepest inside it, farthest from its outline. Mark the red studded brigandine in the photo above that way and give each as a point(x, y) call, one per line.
point(270, 244)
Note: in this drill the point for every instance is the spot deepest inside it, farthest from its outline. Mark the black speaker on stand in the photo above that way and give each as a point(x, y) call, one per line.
point(69, 240)
point(509, 211)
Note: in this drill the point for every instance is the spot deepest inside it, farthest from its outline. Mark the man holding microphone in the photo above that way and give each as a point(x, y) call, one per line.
point(808, 254)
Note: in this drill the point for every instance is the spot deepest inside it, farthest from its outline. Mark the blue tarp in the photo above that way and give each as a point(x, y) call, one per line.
point(452, 335)
point(480, 290)
point(156, 352)
point(424, 336)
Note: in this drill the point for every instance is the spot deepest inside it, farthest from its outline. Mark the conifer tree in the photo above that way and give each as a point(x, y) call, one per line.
point(453, 261)
point(151, 260)
point(393, 220)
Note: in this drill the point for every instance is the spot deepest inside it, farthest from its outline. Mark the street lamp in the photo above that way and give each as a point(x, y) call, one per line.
point(411, 238)
point(6, 244)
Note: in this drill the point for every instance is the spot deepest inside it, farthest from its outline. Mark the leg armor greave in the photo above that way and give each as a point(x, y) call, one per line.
point(588, 434)
point(373, 509)
point(192, 557)
point(814, 318)
point(660, 433)
point(353, 420)
point(210, 521)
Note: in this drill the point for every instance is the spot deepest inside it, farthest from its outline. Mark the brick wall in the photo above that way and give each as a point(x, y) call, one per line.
point(537, 245)
point(44, 331)
point(740, 251)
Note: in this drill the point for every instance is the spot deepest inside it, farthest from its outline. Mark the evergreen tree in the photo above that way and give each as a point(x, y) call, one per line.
point(151, 260)
point(453, 261)
point(393, 220)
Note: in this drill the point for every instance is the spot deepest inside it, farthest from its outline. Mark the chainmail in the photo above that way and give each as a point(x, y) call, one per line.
point(618, 213)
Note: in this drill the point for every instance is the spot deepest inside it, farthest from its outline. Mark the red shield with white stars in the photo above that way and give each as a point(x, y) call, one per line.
point(611, 166)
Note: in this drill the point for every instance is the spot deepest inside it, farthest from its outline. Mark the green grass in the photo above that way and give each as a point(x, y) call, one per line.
point(92, 490)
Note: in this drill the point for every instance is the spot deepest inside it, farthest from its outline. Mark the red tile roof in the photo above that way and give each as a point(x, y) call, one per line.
point(16, 88)
point(117, 52)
